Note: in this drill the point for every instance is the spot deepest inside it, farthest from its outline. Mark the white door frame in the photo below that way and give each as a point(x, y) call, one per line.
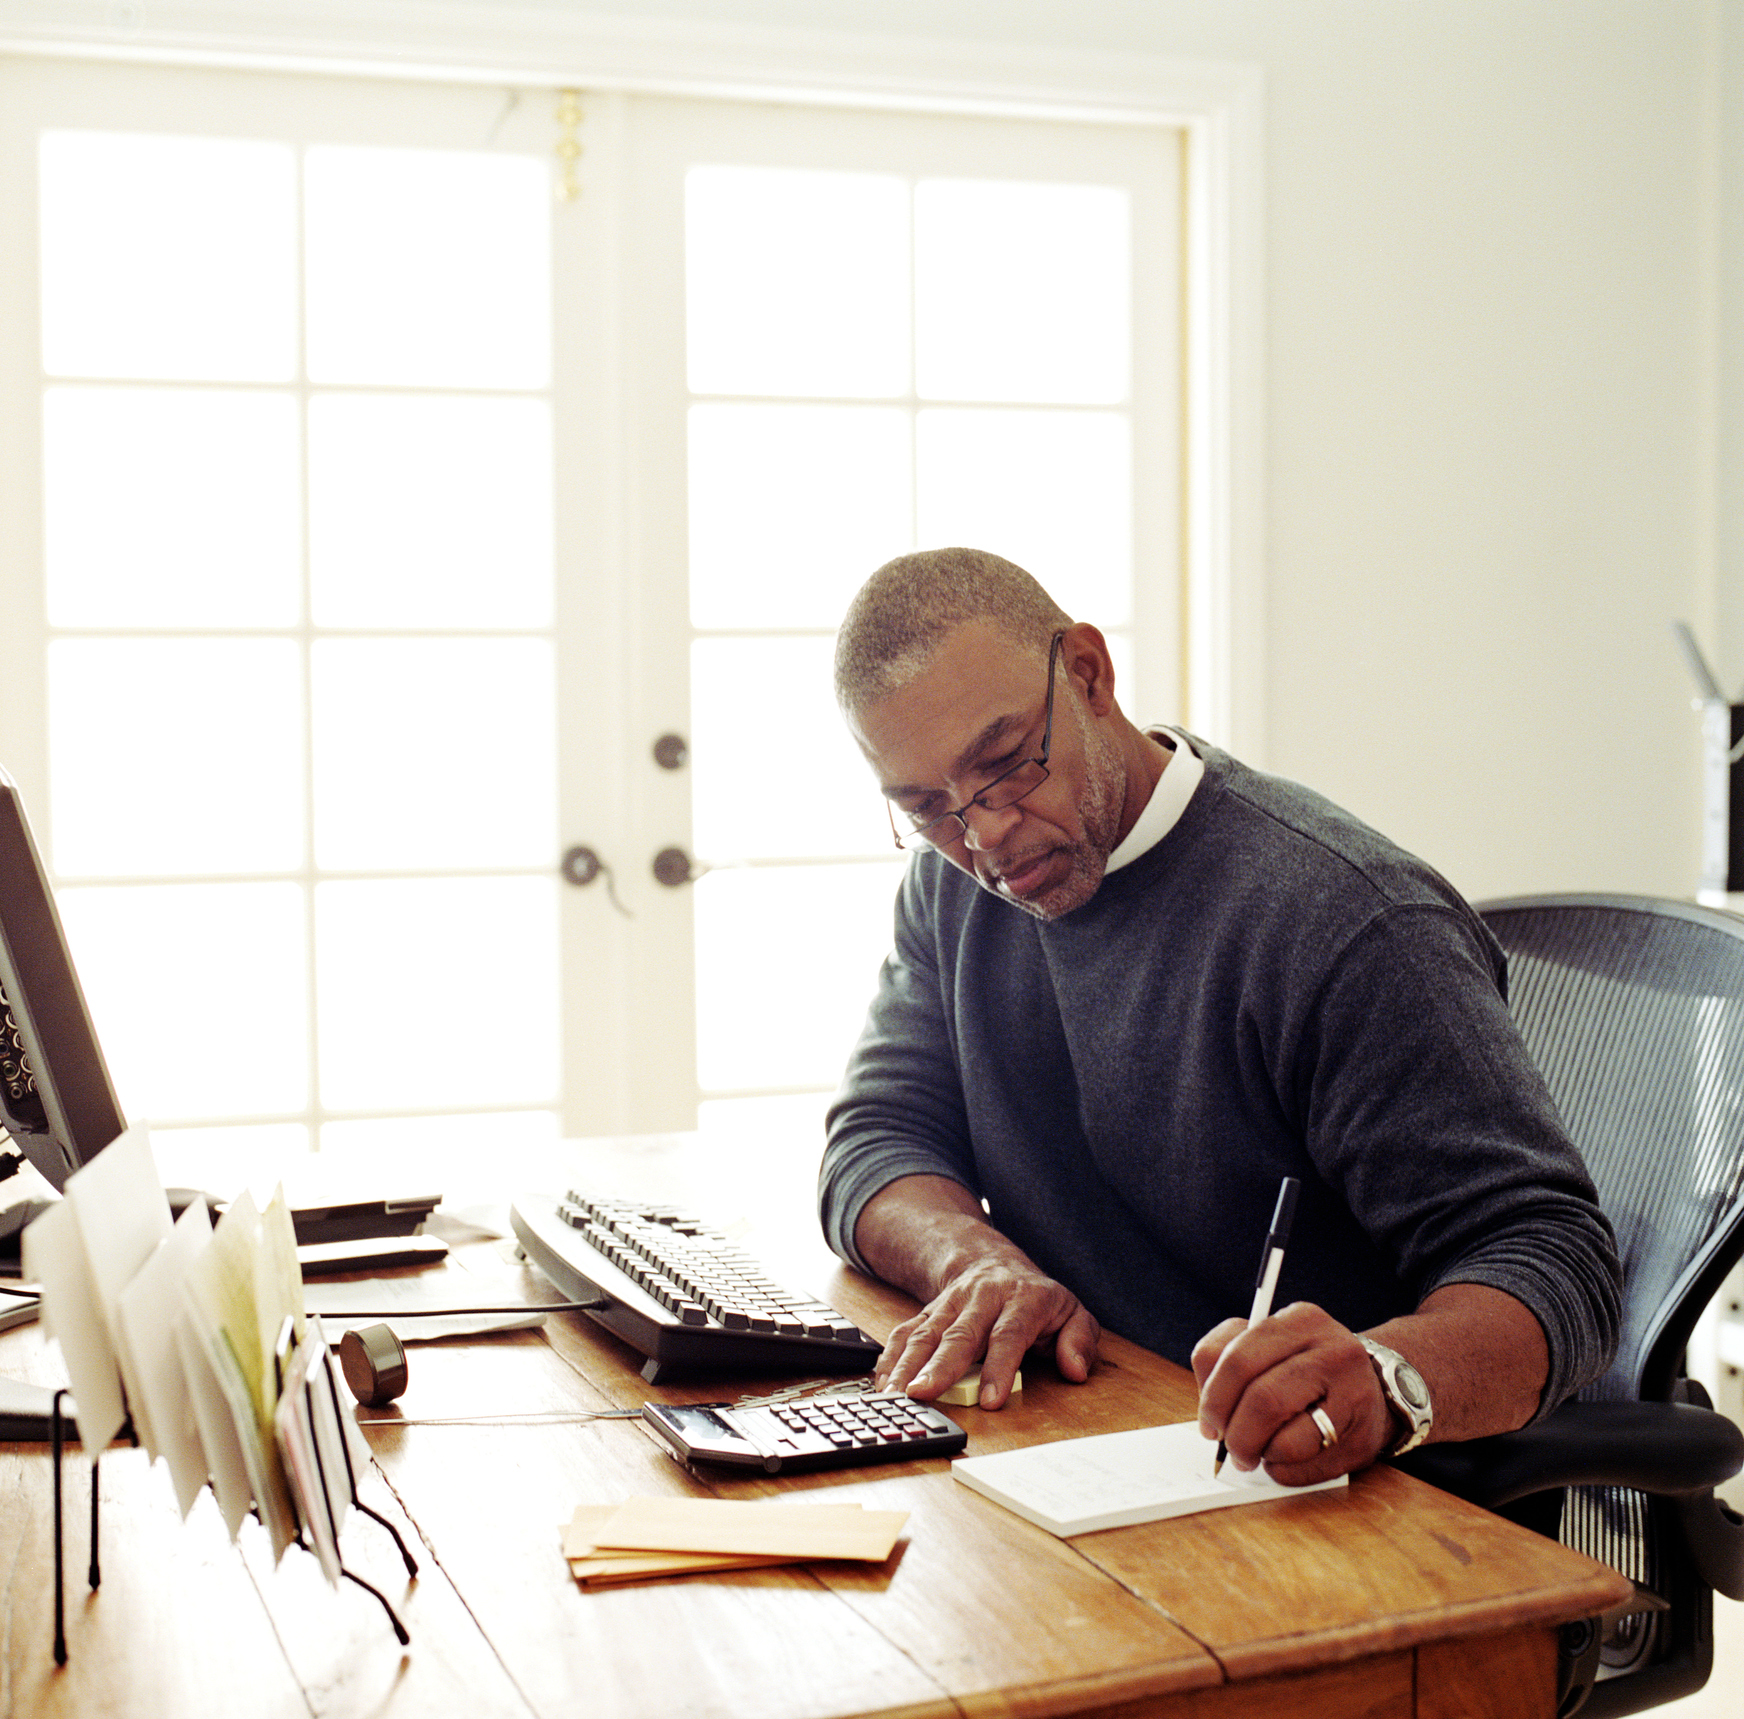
point(1217, 105)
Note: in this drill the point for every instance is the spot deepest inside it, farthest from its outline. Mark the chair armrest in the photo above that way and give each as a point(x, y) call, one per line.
point(1670, 1449)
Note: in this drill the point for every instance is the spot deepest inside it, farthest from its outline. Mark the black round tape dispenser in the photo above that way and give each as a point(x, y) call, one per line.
point(374, 1363)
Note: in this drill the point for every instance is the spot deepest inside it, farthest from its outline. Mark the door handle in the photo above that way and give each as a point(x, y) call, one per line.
point(582, 865)
point(673, 868)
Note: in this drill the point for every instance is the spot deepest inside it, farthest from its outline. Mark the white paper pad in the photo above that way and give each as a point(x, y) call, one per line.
point(1111, 1480)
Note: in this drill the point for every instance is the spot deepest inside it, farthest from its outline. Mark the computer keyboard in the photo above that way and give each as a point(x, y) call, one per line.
point(683, 1294)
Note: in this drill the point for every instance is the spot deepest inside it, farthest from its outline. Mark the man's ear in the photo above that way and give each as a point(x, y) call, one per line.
point(1090, 665)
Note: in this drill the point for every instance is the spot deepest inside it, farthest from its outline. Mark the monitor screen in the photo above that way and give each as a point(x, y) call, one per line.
point(56, 1099)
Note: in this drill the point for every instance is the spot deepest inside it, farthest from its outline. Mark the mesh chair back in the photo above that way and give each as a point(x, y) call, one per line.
point(1633, 1010)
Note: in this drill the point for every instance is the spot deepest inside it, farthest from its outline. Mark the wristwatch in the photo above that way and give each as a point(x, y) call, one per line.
point(1407, 1395)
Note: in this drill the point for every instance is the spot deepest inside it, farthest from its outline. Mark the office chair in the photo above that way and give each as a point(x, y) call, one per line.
point(1634, 1011)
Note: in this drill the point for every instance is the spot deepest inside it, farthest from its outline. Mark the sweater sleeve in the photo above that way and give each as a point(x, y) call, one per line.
point(1424, 1109)
point(900, 1110)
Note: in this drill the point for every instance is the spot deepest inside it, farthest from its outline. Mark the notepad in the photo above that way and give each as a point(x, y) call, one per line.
point(1112, 1480)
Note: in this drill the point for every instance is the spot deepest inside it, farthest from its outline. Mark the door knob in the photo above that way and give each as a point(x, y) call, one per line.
point(672, 867)
point(582, 865)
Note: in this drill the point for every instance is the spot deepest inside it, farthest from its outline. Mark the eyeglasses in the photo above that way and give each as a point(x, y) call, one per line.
point(1006, 789)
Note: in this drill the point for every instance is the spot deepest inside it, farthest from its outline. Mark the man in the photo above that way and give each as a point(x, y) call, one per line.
point(1135, 984)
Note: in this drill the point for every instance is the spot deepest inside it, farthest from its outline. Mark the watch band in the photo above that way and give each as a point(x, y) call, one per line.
point(1406, 1393)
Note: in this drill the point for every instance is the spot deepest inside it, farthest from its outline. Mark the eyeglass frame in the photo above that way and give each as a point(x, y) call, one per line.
point(918, 831)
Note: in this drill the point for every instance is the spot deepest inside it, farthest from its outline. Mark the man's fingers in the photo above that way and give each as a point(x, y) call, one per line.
point(1245, 1355)
point(1075, 1347)
point(990, 1315)
point(951, 1357)
point(1263, 1385)
point(1208, 1351)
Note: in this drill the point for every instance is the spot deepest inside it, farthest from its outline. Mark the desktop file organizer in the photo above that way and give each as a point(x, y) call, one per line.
point(308, 1396)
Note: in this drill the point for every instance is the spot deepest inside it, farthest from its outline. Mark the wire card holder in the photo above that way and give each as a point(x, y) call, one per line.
point(192, 1339)
point(314, 1433)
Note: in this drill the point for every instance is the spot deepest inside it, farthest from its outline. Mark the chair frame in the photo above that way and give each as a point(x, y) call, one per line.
point(1668, 1444)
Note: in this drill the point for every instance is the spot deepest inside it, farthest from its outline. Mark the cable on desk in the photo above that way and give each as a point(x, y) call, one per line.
point(461, 1312)
point(538, 1417)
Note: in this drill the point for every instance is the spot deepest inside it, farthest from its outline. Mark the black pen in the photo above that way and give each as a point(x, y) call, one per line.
point(1271, 1263)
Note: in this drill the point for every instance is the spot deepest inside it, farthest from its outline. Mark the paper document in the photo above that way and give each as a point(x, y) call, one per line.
point(54, 1257)
point(160, 1397)
point(1111, 1480)
point(598, 1569)
point(751, 1528)
point(122, 1216)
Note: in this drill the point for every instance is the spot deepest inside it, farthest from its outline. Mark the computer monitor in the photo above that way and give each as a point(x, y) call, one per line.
point(57, 1103)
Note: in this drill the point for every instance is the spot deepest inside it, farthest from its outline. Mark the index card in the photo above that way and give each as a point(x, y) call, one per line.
point(294, 1430)
point(148, 1307)
point(221, 1292)
point(278, 1279)
point(224, 1460)
point(54, 1256)
point(119, 1205)
point(752, 1527)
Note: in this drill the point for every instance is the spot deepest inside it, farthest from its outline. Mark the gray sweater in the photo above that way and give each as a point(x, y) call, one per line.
point(1273, 989)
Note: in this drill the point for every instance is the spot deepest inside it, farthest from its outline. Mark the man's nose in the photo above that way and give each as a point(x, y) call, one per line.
point(984, 830)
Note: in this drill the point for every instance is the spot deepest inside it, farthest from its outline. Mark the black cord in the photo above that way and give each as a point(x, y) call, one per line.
point(462, 1312)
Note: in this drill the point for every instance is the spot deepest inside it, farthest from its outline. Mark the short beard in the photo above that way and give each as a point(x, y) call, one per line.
point(1100, 811)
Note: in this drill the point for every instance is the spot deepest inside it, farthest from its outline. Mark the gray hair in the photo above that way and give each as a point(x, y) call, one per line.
point(905, 611)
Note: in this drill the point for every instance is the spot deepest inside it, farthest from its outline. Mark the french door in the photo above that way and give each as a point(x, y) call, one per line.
point(386, 538)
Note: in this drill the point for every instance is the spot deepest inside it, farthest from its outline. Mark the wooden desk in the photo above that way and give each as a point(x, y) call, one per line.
point(1391, 1599)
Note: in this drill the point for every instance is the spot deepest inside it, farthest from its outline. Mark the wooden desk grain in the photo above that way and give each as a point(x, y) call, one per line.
point(1389, 1600)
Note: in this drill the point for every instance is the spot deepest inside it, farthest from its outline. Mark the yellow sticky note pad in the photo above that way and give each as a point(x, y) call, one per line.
point(966, 1393)
point(750, 1529)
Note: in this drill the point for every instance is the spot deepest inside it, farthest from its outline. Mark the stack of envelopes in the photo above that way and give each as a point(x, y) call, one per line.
point(645, 1538)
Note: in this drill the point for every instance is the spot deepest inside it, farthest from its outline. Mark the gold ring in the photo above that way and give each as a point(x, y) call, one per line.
point(1323, 1421)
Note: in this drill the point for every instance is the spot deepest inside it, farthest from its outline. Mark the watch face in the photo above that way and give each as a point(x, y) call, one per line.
point(1409, 1384)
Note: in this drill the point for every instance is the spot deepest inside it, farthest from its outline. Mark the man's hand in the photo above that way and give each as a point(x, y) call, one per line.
point(991, 1312)
point(1257, 1387)
point(987, 1302)
point(1481, 1352)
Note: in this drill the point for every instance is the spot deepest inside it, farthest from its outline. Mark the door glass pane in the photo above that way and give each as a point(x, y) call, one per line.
point(428, 267)
point(429, 511)
point(198, 995)
point(175, 756)
point(437, 992)
point(1022, 292)
point(168, 256)
point(791, 506)
point(775, 770)
point(169, 508)
point(787, 957)
point(432, 753)
point(797, 282)
point(1051, 491)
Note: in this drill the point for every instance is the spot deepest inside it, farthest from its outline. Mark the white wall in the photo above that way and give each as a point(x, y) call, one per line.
point(1488, 455)
point(1493, 243)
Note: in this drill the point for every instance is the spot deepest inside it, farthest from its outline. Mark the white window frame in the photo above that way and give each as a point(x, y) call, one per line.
point(1217, 105)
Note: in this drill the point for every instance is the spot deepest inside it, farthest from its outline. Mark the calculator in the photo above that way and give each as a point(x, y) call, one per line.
point(815, 1432)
